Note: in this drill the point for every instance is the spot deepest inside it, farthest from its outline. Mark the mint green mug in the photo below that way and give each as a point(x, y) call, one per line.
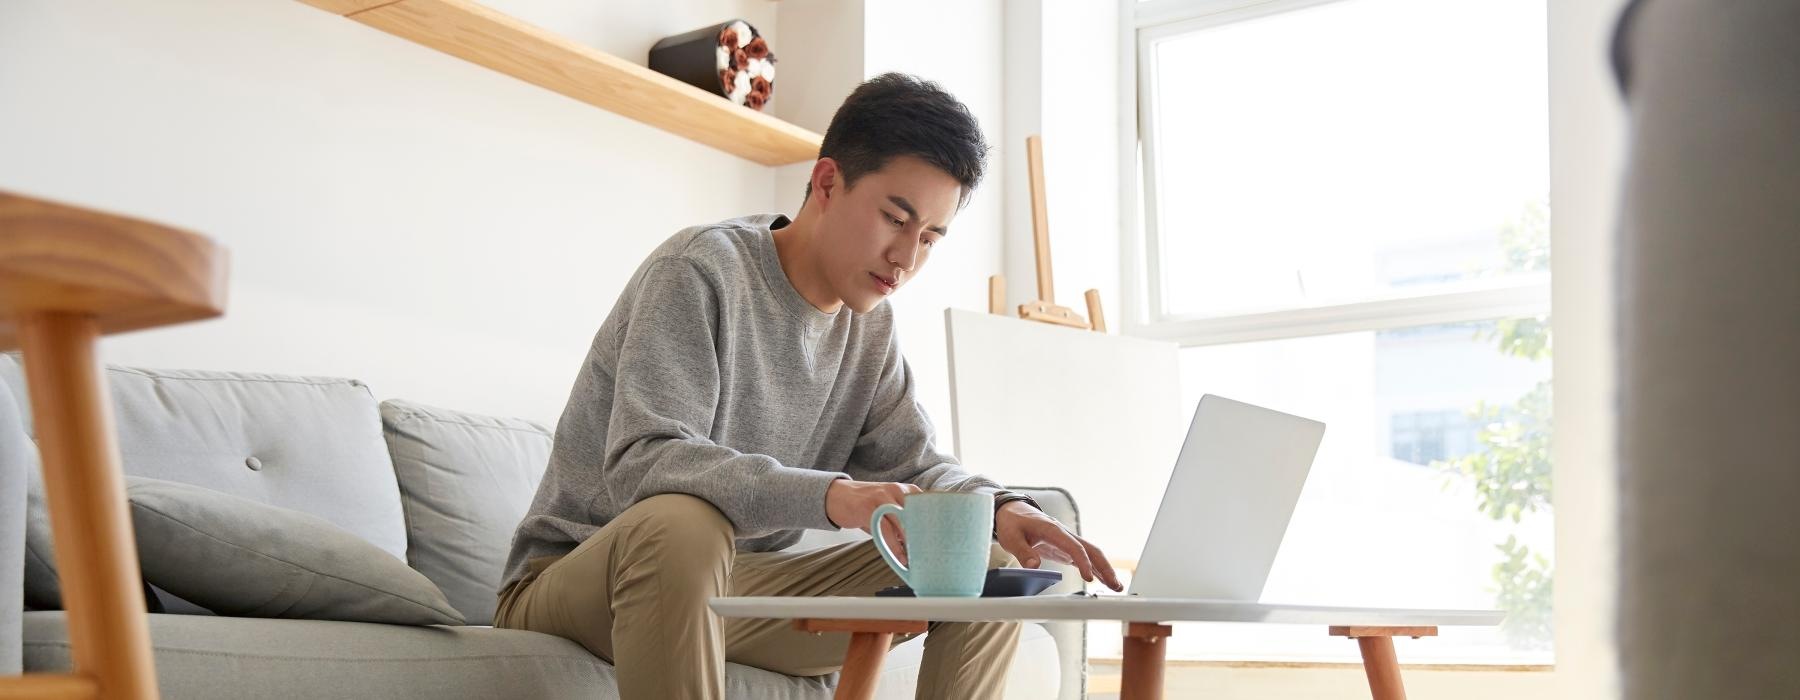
point(947, 540)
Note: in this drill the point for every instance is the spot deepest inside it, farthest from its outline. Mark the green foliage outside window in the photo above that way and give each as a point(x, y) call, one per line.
point(1511, 468)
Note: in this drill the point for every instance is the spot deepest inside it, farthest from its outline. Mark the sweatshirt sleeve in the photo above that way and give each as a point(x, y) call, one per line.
point(898, 442)
point(665, 394)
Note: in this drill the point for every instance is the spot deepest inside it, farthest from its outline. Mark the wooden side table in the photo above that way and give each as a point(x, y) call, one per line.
point(67, 276)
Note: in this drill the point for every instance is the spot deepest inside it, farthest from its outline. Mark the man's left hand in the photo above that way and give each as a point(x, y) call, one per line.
point(1019, 527)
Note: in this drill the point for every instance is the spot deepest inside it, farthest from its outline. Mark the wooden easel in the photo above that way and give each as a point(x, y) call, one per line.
point(1044, 308)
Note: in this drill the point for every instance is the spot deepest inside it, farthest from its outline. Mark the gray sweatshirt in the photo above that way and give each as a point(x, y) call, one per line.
point(713, 377)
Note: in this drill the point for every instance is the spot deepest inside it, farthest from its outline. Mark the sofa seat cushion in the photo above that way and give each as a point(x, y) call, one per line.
point(245, 658)
point(201, 658)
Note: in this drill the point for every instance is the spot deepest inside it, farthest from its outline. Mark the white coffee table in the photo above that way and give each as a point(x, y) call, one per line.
point(872, 623)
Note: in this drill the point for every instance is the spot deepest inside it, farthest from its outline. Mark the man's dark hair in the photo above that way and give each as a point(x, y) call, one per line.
point(899, 115)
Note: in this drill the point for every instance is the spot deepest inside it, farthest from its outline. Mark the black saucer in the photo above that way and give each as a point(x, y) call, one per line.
point(1001, 583)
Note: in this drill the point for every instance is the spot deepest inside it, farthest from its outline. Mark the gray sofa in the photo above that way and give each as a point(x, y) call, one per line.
point(438, 489)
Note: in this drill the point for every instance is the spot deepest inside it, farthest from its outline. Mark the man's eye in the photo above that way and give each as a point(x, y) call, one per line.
point(892, 220)
point(929, 242)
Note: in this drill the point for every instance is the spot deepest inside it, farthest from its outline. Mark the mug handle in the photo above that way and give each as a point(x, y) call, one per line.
point(904, 573)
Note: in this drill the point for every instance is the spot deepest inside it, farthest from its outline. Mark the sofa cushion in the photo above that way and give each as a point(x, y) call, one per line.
point(15, 463)
point(40, 584)
point(43, 591)
point(303, 443)
point(465, 482)
point(237, 557)
point(203, 658)
point(208, 657)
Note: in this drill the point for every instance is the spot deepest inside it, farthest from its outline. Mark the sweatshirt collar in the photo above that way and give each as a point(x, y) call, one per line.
point(777, 280)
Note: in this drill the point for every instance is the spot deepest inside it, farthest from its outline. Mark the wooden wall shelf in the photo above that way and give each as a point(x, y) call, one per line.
point(480, 35)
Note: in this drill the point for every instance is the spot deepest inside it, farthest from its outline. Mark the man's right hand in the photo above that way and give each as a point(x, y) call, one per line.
point(850, 504)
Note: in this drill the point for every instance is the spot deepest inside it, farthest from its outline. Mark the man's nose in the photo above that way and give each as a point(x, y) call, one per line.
point(905, 255)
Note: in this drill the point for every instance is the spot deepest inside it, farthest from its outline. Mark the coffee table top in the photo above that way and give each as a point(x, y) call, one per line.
point(1083, 606)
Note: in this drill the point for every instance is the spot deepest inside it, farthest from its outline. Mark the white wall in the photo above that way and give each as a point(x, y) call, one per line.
point(446, 233)
point(1062, 81)
point(815, 74)
point(1587, 130)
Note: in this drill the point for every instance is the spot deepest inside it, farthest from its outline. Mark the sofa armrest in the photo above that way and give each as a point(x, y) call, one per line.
point(1070, 636)
point(16, 456)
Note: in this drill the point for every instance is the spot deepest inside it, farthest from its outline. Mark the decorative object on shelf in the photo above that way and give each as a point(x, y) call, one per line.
point(730, 59)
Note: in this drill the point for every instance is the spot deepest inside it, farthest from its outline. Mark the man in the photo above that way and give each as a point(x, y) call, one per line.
point(747, 386)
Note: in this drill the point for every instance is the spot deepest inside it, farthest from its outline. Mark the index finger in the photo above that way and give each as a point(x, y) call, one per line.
point(1102, 565)
point(1077, 550)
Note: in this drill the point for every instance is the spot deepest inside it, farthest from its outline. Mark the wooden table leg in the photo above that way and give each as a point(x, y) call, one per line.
point(1143, 666)
point(1382, 667)
point(862, 665)
point(1379, 661)
point(90, 527)
point(869, 643)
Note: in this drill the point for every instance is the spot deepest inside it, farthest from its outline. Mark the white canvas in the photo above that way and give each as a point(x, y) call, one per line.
point(1096, 414)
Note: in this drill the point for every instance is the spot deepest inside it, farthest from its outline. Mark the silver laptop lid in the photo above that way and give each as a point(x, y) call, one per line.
point(1228, 503)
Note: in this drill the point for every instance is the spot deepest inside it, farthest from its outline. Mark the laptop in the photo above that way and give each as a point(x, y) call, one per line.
point(1228, 503)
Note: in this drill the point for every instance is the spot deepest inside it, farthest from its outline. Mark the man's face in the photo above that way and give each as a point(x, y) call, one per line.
point(879, 233)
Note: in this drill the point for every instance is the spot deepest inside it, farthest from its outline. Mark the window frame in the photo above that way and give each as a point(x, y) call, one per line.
point(1151, 21)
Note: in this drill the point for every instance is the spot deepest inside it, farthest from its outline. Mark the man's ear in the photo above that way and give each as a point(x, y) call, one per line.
point(827, 180)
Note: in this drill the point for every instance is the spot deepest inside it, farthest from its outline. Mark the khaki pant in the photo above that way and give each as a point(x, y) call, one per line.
point(635, 594)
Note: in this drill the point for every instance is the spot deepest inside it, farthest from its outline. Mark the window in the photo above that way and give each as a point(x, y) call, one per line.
point(1346, 217)
point(1424, 437)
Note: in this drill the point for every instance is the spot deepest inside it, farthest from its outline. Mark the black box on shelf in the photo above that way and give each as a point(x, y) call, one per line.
point(729, 59)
